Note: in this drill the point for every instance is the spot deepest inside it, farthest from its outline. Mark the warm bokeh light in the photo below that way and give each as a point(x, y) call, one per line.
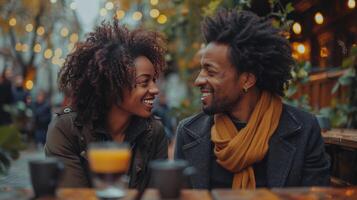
point(297, 28)
point(137, 15)
point(55, 60)
point(25, 48)
point(29, 85)
point(48, 53)
point(70, 46)
point(37, 48)
point(73, 5)
point(12, 22)
point(324, 52)
point(154, 13)
point(29, 27)
point(162, 19)
point(351, 4)
point(64, 32)
point(154, 2)
point(58, 52)
point(18, 47)
point(109, 5)
point(294, 55)
point(40, 30)
point(301, 49)
point(61, 61)
point(319, 19)
point(103, 12)
point(73, 38)
point(119, 14)
point(58, 61)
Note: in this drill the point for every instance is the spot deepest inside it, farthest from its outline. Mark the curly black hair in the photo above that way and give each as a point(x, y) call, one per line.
point(255, 46)
point(98, 69)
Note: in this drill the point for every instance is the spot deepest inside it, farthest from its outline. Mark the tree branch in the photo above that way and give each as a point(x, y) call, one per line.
point(18, 56)
point(37, 23)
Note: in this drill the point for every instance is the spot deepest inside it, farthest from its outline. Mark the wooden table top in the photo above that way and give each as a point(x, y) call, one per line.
point(7, 193)
point(342, 137)
point(307, 193)
point(150, 194)
point(312, 193)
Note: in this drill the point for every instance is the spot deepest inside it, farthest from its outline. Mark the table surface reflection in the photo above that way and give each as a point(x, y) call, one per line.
point(8, 193)
point(308, 193)
point(311, 193)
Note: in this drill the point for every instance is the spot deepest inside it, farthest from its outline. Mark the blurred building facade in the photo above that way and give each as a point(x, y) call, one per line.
point(323, 33)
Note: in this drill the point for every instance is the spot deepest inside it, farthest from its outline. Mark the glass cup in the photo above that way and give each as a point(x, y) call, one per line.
point(108, 162)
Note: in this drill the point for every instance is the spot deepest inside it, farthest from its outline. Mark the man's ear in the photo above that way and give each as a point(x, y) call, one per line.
point(249, 80)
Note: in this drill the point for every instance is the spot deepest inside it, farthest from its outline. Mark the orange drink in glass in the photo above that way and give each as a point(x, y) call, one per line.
point(108, 162)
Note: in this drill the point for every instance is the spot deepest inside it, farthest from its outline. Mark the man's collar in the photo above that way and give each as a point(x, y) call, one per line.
point(288, 125)
point(194, 125)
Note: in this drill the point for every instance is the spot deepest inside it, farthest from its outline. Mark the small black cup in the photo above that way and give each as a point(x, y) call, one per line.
point(45, 176)
point(169, 176)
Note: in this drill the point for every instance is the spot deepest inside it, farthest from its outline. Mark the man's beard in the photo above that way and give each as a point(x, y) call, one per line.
point(213, 108)
point(218, 106)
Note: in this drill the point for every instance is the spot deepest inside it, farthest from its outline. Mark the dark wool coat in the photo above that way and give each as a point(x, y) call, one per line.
point(296, 155)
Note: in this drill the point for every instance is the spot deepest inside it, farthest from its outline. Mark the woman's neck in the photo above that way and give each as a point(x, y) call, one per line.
point(118, 121)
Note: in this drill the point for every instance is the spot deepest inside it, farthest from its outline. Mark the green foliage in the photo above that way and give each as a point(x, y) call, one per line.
point(300, 76)
point(10, 137)
point(339, 115)
point(300, 102)
point(21, 114)
point(300, 72)
point(280, 14)
point(348, 77)
point(347, 111)
point(10, 145)
point(211, 8)
point(345, 80)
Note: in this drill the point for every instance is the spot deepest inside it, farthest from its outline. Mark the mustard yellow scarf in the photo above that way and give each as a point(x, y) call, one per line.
point(238, 150)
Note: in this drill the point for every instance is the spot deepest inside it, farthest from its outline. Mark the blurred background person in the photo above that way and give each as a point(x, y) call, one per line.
point(163, 112)
point(6, 97)
point(42, 117)
point(22, 107)
point(20, 94)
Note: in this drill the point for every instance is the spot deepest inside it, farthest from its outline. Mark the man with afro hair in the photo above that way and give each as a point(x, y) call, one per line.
point(246, 137)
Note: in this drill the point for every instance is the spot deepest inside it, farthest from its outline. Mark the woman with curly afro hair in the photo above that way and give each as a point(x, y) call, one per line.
point(111, 79)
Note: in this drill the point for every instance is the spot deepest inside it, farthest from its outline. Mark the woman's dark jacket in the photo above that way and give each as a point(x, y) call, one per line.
point(68, 139)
